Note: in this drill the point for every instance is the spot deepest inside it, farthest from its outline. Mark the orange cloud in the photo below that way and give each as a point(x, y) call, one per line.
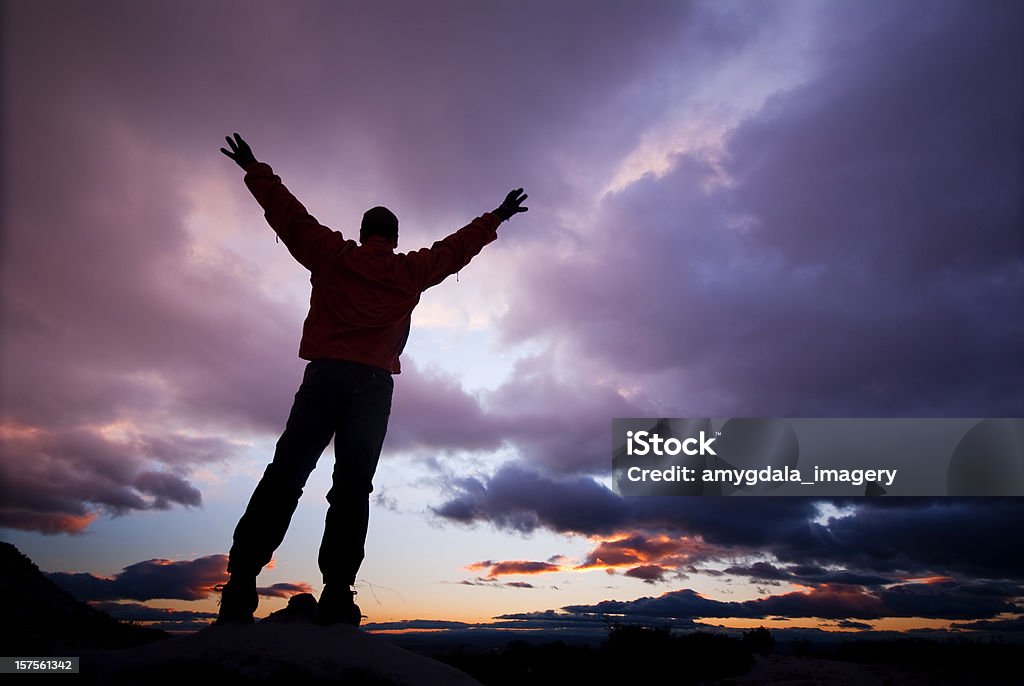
point(48, 523)
point(639, 551)
point(648, 558)
point(496, 568)
point(928, 579)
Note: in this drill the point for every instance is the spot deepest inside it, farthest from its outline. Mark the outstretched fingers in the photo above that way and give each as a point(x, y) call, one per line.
point(518, 198)
point(239, 152)
point(231, 144)
point(512, 205)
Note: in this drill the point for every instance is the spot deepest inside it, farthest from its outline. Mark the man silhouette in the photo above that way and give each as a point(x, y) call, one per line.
point(360, 311)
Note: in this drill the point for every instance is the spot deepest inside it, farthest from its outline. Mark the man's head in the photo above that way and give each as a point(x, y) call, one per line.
point(379, 221)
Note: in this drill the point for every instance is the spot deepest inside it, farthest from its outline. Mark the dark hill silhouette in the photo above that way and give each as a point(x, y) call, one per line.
point(48, 620)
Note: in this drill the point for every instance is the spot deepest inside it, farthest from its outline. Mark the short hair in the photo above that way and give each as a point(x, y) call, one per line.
point(379, 221)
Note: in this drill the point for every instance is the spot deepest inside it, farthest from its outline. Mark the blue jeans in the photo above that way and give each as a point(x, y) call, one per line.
point(350, 402)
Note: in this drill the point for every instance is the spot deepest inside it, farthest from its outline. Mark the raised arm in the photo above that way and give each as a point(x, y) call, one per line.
point(430, 266)
point(307, 240)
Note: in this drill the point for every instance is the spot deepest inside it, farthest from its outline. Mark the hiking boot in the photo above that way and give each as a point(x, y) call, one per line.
point(337, 607)
point(238, 601)
point(301, 609)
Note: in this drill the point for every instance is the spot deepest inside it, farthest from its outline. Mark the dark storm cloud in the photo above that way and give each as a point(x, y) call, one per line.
point(1016, 624)
point(879, 538)
point(759, 571)
point(905, 538)
point(954, 599)
point(887, 536)
point(685, 604)
point(522, 499)
point(805, 574)
point(866, 259)
point(493, 582)
point(167, 489)
point(648, 573)
point(906, 600)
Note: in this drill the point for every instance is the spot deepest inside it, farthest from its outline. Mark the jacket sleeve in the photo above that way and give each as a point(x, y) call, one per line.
point(307, 240)
point(430, 266)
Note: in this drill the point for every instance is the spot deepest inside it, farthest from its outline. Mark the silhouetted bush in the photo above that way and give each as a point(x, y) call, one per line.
point(759, 641)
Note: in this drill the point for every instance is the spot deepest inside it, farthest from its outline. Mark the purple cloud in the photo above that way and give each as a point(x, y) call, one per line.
point(854, 264)
point(161, 579)
point(179, 580)
point(647, 573)
point(858, 254)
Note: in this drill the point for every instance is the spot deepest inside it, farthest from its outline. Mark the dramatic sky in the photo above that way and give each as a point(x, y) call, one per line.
point(774, 209)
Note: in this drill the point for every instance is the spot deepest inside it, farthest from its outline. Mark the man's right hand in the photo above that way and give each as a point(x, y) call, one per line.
point(512, 205)
point(241, 153)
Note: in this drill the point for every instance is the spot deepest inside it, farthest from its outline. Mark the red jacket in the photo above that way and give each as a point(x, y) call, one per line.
point(363, 296)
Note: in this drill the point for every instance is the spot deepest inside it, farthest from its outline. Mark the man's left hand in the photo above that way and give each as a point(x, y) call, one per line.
point(240, 152)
